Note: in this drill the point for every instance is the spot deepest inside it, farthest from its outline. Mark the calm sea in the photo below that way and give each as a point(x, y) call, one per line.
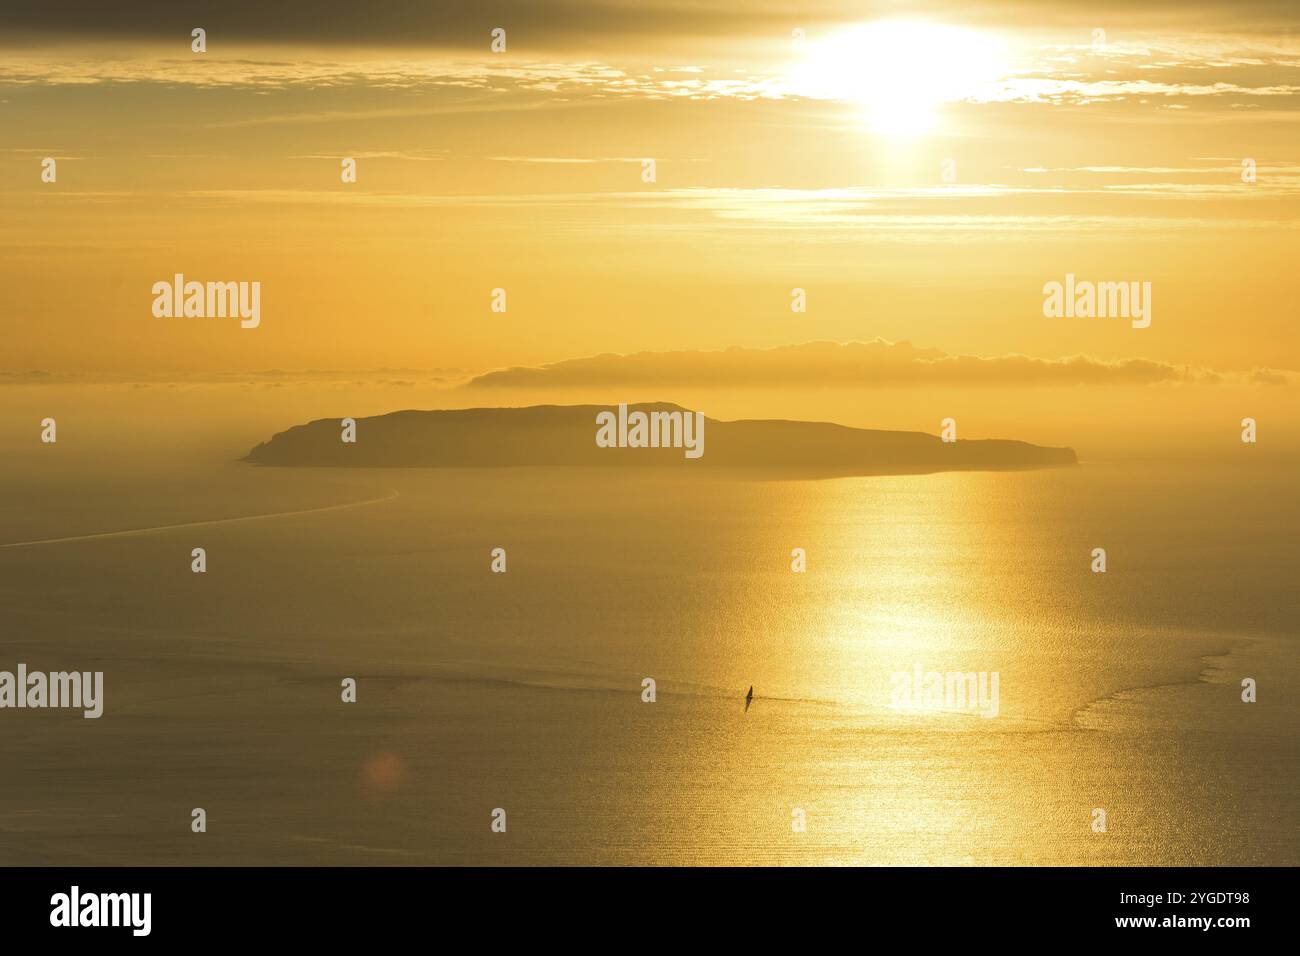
point(523, 691)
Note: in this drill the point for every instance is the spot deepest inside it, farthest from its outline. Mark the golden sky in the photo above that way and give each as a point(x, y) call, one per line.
point(921, 170)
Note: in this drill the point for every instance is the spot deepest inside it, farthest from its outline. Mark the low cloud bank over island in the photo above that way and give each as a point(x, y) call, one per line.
point(878, 362)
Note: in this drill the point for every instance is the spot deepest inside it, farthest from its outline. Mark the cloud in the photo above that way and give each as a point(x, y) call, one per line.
point(267, 378)
point(875, 363)
point(406, 155)
point(1221, 73)
point(298, 68)
point(565, 160)
point(836, 215)
point(402, 22)
point(878, 362)
point(23, 377)
point(455, 22)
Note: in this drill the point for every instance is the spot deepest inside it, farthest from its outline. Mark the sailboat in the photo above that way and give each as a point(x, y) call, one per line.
point(749, 698)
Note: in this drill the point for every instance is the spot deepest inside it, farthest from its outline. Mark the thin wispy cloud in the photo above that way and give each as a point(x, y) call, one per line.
point(1033, 72)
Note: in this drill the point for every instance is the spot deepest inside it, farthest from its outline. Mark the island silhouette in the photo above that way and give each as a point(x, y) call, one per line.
point(565, 435)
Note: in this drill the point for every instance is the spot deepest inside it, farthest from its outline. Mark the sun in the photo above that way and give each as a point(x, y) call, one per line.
point(899, 72)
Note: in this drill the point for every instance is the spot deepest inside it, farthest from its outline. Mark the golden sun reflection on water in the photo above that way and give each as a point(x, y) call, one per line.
point(964, 573)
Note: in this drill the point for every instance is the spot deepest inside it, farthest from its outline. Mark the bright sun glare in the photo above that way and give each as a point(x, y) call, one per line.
point(899, 71)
